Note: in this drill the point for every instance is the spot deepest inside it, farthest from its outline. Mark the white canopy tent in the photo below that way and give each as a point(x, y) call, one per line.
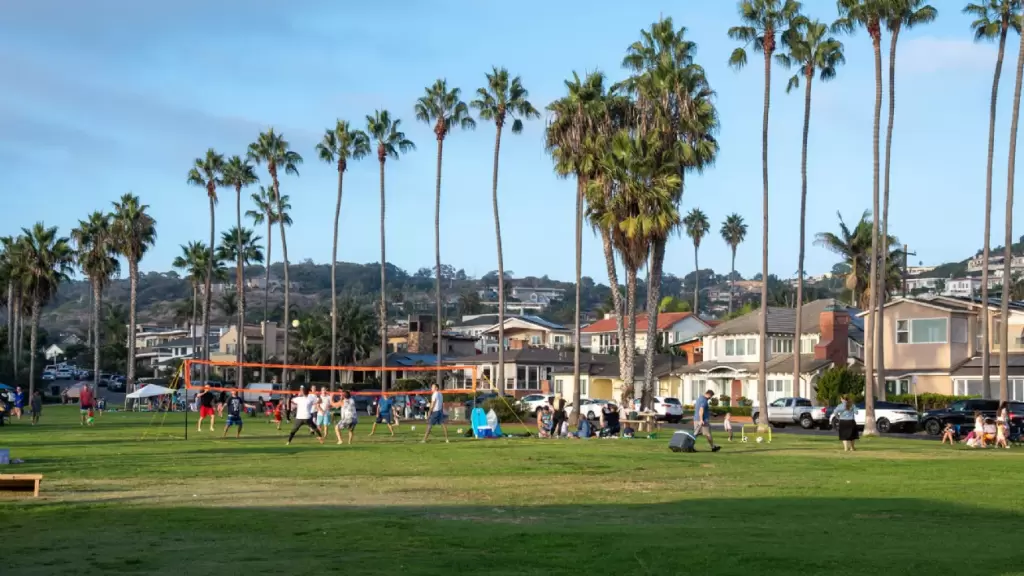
point(147, 391)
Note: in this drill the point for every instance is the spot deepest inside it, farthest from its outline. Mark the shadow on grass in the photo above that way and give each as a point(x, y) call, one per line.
point(707, 536)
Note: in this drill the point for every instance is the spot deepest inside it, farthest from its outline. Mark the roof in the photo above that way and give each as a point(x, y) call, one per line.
point(535, 320)
point(1014, 364)
point(783, 320)
point(457, 336)
point(405, 359)
point(783, 363)
point(664, 321)
point(607, 365)
point(186, 342)
point(534, 356)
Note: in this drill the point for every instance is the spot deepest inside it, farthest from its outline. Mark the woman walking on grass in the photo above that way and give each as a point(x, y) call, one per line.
point(846, 412)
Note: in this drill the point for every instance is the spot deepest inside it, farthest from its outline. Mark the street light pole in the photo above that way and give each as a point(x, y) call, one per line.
point(905, 256)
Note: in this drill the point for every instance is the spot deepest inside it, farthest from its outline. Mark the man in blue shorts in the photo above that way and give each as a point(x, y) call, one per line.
point(234, 407)
point(384, 411)
point(435, 413)
point(702, 419)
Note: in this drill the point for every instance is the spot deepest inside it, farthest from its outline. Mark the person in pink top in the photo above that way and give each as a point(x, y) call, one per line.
point(85, 403)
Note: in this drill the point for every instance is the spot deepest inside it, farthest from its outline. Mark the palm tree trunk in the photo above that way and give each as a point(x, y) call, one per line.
point(334, 282)
point(97, 297)
point(627, 350)
point(1004, 386)
point(10, 317)
point(762, 366)
point(240, 290)
point(33, 343)
point(88, 332)
point(501, 265)
point(133, 302)
point(437, 258)
point(986, 360)
point(613, 282)
point(874, 338)
point(208, 298)
point(17, 329)
point(195, 304)
point(383, 292)
point(287, 287)
point(574, 418)
point(798, 327)
point(266, 301)
point(732, 279)
point(884, 247)
point(696, 280)
point(654, 271)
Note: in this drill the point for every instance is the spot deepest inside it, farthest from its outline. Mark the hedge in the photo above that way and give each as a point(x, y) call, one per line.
point(927, 401)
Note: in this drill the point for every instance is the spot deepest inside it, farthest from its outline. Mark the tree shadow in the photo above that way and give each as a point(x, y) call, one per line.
point(729, 536)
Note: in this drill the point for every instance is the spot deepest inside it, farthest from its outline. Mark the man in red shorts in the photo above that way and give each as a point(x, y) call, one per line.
point(206, 399)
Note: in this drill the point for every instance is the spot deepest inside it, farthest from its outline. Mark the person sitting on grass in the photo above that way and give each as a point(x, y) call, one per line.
point(948, 434)
point(234, 407)
point(609, 420)
point(384, 409)
point(544, 422)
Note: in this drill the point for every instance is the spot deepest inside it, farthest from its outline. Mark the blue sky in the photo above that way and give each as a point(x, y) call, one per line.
point(109, 96)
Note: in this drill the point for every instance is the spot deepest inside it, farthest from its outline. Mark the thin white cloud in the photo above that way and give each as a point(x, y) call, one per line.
point(928, 54)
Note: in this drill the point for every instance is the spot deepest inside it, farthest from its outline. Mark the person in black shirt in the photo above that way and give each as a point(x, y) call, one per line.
point(234, 406)
point(206, 398)
point(609, 420)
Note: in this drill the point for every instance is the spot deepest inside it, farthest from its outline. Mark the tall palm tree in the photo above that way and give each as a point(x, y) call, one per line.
point(339, 145)
point(134, 234)
point(207, 173)
point(267, 211)
point(992, 19)
point(870, 14)
point(13, 265)
point(444, 109)
point(391, 143)
point(697, 226)
point(761, 20)
point(901, 14)
point(1004, 390)
point(252, 252)
point(569, 139)
point(733, 231)
point(8, 246)
point(854, 246)
point(48, 262)
point(193, 262)
point(238, 174)
point(812, 51)
point(96, 256)
point(273, 150)
point(501, 99)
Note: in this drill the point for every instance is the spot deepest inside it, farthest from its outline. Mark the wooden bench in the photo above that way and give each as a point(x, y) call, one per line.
point(22, 482)
point(647, 425)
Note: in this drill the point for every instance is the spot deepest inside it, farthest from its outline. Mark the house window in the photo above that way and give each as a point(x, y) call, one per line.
point(535, 340)
point(230, 348)
point(521, 378)
point(899, 386)
point(779, 389)
point(697, 389)
point(730, 347)
point(958, 333)
point(559, 339)
point(902, 331)
point(532, 380)
point(487, 377)
point(928, 331)
point(964, 387)
point(751, 346)
point(584, 388)
point(558, 387)
point(782, 346)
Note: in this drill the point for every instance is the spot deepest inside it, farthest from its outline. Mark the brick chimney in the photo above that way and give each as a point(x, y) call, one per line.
point(834, 344)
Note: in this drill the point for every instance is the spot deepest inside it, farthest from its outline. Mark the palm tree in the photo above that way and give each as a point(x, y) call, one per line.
point(1004, 390)
point(238, 174)
point(391, 142)
point(96, 257)
point(854, 246)
point(207, 173)
point(266, 211)
point(697, 226)
point(443, 107)
point(993, 19)
point(733, 231)
point(134, 234)
point(761, 20)
point(48, 263)
point(8, 256)
point(273, 150)
point(193, 262)
point(338, 147)
point(502, 98)
point(810, 49)
point(251, 252)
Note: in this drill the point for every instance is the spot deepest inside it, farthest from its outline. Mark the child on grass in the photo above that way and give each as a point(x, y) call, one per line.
point(727, 424)
point(1001, 434)
point(947, 434)
point(277, 414)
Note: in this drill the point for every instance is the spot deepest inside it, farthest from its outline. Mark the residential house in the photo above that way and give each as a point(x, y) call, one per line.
point(527, 332)
point(167, 355)
point(53, 352)
point(255, 337)
point(934, 345)
point(673, 327)
point(830, 335)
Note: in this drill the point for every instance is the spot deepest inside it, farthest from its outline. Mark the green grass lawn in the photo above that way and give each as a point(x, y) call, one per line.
point(115, 503)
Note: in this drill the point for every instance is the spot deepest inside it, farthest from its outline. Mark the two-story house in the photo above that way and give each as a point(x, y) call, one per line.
point(830, 334)
point(527, 332)
point(934, 344)
point(673, 328)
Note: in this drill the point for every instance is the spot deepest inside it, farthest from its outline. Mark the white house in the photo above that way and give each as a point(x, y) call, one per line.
point(673, 327)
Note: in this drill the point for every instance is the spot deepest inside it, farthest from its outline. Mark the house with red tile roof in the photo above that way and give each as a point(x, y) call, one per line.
point(673, 327)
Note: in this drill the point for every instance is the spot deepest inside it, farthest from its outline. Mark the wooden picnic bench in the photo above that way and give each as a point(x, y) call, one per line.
point(644, 425)
point(21, 482)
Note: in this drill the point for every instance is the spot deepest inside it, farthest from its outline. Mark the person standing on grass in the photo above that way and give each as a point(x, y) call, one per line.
point(702, 419)
point(846, 413)
point(206, 399)
point(384, 410)
point(323, 411)
point(36, 405)
point(435, 413)
point(19, 402)
point(304, 406)
point(348, 417)
point(85, 404)
point(234, 406)
point(222, 399)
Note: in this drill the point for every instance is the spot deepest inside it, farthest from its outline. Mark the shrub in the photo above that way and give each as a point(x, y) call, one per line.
point(713, 401)
point(744, 401)
point(837, 382)
point(724, 399)
point(409, 384)
point(506, 411)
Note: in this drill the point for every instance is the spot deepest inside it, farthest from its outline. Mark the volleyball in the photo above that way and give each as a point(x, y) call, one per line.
point(295, 323)
point(460, 431)
point(760, 439)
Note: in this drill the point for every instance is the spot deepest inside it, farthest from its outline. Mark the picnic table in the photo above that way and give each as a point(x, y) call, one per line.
point(646, 422)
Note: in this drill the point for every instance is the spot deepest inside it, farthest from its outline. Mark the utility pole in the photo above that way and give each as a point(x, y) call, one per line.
point(906, 255)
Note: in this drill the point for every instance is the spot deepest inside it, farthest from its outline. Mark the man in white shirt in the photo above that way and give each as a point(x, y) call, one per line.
point(436, 413)
point(304, 406)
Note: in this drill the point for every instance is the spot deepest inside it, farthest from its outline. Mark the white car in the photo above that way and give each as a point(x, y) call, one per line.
point(533, 402)
point(63, 374)
point(668, 408)
point(48, 375)
point(889, 417)
point(590, 408)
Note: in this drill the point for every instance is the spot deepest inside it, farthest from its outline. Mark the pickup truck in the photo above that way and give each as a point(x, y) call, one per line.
point(802, 411)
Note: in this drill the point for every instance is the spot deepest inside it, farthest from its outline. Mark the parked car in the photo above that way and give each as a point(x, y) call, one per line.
point(668, 409)
point(255, 390)
point(533, 402)
point(591, 408)
point(786, 411)
point(889, 417)
point(115, 385)
point(49, 375)
point(63, 374)
point(961, 414)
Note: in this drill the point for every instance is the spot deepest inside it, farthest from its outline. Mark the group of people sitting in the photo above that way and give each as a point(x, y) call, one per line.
point(987, 431)
point(552, 422)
